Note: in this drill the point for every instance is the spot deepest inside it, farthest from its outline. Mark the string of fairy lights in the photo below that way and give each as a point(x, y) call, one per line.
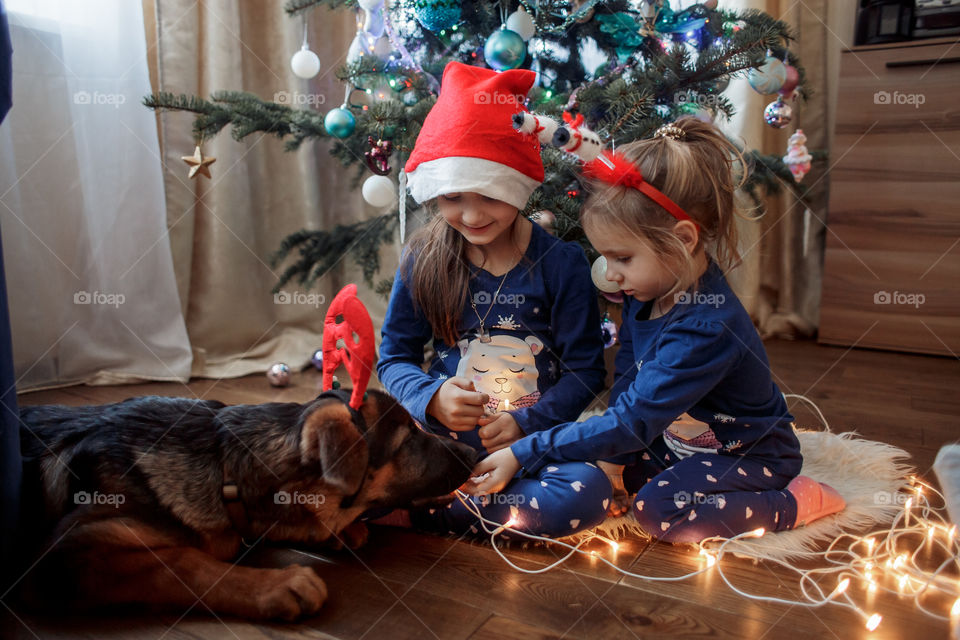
point(917, 557)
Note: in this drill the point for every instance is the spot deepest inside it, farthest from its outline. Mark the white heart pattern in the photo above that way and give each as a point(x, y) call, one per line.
point(577, 485)
point(552, 469)
point(721, 502)
point(680, 504)
point(749, 512)
point(706, 463)
point(645, 456)
point(590, 464)
point(639, 505)
point(663, 483)
point(711, 478)
point(767, 473)
point(741, 471)
point(664, 526)
point(432, 511)
point(574, 524)
point(453, 434)
point(542, 483)
point(606, 502)
point(692, 516)
point(534, 504)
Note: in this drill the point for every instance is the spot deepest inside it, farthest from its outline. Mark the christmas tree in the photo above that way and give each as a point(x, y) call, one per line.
point(627, 67)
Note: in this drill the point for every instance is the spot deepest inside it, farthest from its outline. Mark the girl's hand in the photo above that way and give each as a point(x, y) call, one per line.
point(498, 431)
point(457, 404)
point(499, 467)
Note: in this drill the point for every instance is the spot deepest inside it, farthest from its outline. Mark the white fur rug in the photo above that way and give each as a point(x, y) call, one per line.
point(866, 473)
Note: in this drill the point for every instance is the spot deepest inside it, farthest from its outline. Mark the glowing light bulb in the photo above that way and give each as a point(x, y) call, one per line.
point(951, 533)
point(955, 609)
point(506, 525)
point(873, 622)
point(756, 533)
point(840, 588)
point(870, 542)
point(902, 582)
point(872, 587)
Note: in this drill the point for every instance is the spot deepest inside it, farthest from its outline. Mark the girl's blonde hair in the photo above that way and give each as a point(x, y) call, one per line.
point(697, 168)
point(437, 272)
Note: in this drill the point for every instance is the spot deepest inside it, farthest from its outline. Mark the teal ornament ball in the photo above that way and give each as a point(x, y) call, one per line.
point(769, 77)
point(339, 123)
point(437, 15)
point(504, 50)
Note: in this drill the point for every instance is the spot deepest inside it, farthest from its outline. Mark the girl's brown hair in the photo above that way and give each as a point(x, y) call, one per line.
point(436, 270)
point(700, 170)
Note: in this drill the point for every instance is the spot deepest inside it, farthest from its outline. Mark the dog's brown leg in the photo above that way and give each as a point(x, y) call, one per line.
point(185, 577)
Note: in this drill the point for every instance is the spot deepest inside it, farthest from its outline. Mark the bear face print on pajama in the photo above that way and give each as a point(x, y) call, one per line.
point(504, 368)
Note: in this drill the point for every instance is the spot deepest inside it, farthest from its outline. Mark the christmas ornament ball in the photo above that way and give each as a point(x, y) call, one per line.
point(778, 114)
point(278, 374)
point(768, 77)
point(505, 49)
point(379, 191)
point(437, 15)
point(305, 63)
point(598, 273)
point(317, 359)
point(792, 81)
point(522, 23)
point(608, 329)
point(339, 122)
point(711, 4)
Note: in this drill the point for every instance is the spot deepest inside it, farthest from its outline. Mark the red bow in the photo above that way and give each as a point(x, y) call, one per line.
point(614, 169)
point(573, 121)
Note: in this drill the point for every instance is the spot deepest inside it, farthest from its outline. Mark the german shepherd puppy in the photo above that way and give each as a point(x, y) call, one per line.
point(147, 501)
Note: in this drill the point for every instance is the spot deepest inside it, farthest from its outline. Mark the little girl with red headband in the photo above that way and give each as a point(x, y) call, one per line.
point(702, 430)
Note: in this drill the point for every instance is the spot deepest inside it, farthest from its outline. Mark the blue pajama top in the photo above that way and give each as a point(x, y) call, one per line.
point(702, 362)
point(544, 362)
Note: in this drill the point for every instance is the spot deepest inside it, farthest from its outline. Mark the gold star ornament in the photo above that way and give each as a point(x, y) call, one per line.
point(198, 164)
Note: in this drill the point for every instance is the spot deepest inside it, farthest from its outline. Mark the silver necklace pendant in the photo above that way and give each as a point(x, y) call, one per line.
point(482, 335)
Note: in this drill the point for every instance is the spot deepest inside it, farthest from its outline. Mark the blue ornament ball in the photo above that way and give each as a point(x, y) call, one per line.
point(769, 77)
point(504, 50)
point(317, 359)
point(339, 123)
point(437, 15)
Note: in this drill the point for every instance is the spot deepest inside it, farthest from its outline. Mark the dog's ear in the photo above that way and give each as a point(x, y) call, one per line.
point(331, 439)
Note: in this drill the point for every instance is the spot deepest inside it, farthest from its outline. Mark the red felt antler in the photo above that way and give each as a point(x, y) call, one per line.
point(348, 338)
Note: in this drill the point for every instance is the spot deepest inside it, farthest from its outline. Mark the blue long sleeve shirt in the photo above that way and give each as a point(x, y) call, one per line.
point(544, 362)
point(702, 360)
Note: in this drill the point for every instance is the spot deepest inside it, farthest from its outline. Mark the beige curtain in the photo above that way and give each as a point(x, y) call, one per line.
point(222, 231)
point(780, 279)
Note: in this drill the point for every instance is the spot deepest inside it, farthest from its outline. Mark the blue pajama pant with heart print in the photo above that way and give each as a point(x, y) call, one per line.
point(710, 494)
point(560, 499)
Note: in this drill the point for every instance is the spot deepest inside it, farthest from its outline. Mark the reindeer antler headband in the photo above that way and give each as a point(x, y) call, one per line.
point(598, 163)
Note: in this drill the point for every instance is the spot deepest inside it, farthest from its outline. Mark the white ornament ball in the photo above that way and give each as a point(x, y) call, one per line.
point(379, 191)
point(369, 5)
point(522, 22)
point(598, 272)
point(305, 63)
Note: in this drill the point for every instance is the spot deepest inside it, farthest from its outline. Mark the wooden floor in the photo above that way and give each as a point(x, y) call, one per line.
point(405, 585)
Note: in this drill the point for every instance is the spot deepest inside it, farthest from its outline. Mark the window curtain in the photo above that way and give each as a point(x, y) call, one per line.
point(89, 272)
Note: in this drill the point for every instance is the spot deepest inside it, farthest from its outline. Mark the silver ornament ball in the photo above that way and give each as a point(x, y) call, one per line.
point(278, 374)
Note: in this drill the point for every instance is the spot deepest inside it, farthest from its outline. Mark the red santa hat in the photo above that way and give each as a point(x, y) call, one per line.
point(468, 142)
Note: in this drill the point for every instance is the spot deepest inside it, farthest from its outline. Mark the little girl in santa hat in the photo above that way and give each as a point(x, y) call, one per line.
point(510, 309)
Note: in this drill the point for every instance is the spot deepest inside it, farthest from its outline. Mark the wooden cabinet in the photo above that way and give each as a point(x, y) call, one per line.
point(892, 264)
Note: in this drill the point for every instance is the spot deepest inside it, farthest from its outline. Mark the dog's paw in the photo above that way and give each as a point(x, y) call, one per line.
point(355, 534)
point(291, 593)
